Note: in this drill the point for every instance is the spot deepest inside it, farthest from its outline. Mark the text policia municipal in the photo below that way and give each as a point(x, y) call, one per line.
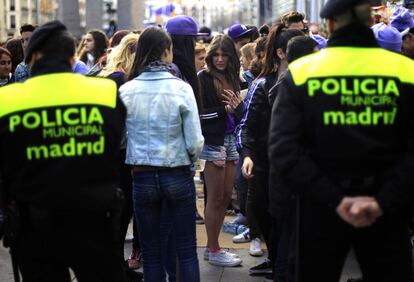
point(61, 131)
point(374, 100)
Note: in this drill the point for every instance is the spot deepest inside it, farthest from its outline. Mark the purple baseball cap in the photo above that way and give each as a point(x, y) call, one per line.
point(183, 25)
point(238, 30)
point(387, 37)
point(402, 20)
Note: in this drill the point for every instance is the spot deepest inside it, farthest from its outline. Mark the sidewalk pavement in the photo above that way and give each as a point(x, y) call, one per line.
point(209, 273)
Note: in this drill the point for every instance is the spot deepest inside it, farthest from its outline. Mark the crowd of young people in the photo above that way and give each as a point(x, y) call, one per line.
point(187, 99)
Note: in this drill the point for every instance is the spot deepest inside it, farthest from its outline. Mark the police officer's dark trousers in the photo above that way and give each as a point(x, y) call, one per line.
point(51, 242)
point(383, 250)
point(125, 184)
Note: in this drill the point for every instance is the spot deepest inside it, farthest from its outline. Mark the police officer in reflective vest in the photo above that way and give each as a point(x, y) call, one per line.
point(342, 137)
point(60, 135)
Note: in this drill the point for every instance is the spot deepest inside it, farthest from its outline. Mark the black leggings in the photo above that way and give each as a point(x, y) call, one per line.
point(257, 206)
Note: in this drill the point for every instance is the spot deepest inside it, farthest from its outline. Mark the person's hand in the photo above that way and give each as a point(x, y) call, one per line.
point(359, 211)
point(229, 109)
point(247, 168)
point(369, 209)
point(343, 209)
point(231, 98)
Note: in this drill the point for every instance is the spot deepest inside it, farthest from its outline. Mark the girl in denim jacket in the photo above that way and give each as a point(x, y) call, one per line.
point(164, 138)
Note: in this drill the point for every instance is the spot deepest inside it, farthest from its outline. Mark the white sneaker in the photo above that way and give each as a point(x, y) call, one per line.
point(223, 258)
point(240, 219)
point(242, 237)
point(206, 255)
point(129, 237)
point(255, 248)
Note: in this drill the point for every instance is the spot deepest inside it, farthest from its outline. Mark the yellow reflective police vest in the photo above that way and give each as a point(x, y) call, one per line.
point(357, 78)
point(61, 114)
point(57, 90)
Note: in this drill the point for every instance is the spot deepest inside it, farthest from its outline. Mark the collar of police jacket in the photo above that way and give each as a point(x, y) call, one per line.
point(353, 35)
point(47, 65)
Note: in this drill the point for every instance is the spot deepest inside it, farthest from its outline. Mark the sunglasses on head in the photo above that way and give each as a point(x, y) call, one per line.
point(305, 29)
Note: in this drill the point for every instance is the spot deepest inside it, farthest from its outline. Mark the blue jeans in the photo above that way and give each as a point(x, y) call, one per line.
point(157, 195)
point(168, 254)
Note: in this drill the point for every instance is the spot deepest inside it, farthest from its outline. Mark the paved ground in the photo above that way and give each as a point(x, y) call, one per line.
point(209, 273)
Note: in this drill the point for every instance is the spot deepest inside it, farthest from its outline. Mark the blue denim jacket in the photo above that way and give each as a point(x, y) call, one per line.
point(22, 72)
point(162, 121)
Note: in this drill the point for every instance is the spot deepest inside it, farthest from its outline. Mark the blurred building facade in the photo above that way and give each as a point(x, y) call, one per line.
point(72, 14)
point(94, 14)
point(14, 13)
point(3, 27)
point(82, 15)
point(131, 14)
point(310, 8)
point(220, 14)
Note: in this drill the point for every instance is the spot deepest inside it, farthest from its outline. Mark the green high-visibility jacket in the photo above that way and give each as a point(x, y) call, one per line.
point(345, 117)
point(59, 141)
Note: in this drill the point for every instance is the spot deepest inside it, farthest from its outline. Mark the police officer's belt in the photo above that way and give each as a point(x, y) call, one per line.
point(359, 182)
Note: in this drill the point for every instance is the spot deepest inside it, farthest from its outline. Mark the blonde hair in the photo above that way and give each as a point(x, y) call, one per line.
point(248, 52)
point(199, 48)
point(121, 58)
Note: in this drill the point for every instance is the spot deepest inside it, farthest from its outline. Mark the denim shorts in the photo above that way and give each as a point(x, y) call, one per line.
point(227, 152)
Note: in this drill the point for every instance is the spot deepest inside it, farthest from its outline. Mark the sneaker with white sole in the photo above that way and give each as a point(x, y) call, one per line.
point(261, 269)
point(129, 237)
point(255, 247)
point(206, 254)
point(223, 258)
point(199, 218)
point(242, 237)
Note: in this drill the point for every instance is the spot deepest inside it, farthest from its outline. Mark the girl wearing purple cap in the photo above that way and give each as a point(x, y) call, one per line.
point(222, 108)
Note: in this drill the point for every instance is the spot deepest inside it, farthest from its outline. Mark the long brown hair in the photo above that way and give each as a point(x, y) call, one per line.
point(231, 74)
point(16, 49)
point(152, 43)
point(256, 64)
point(278, 38)
point(101, 44)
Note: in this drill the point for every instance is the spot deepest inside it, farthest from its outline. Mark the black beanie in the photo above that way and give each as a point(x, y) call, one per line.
point(41, 35)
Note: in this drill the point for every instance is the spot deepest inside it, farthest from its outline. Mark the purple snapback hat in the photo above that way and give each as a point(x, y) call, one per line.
point(183, 25)
point(237, 30)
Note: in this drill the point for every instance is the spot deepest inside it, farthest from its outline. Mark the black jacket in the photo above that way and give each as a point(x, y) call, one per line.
point(343, 124)
point(213, 115)
point(252, 132)
point(60, 135)
point(275, 89)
